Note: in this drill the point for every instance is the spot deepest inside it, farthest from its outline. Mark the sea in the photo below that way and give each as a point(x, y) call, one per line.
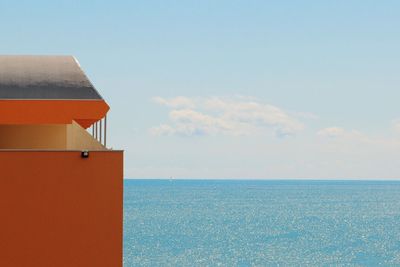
point(261, 223)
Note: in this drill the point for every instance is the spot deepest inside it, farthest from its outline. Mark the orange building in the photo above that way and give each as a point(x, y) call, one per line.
point(61, 188)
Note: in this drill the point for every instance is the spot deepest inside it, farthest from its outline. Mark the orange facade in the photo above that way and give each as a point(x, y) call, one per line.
point(84, 112)
point(59, 209)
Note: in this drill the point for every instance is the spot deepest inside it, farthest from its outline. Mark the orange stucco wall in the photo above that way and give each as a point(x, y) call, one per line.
point(58, 209)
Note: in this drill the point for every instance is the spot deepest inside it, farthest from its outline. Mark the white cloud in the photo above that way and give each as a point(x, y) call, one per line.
point(331, 132)
point(396, 125)
point(343, 139)
point(337, 133)
point(175, 102)
point(163, 129)
point(222, 115)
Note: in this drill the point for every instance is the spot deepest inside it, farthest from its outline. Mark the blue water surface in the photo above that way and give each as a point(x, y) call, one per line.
point(261, 223)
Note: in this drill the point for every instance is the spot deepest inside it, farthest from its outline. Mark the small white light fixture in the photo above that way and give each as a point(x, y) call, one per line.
point(85, 154)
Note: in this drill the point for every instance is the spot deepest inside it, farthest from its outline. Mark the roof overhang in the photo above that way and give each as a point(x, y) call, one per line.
point(84, 112)
point(47, 90)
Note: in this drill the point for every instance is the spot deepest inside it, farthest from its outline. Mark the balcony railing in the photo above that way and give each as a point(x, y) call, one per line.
point(99, 131)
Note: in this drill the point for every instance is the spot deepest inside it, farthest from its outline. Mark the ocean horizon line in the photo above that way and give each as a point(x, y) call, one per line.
point(267, 179)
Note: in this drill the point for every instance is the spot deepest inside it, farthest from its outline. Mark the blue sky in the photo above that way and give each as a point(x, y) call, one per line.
point(233, 89)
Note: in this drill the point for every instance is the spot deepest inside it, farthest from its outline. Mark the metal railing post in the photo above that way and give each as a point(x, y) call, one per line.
point(101, 130)
point(105, 131)
point(95, 130)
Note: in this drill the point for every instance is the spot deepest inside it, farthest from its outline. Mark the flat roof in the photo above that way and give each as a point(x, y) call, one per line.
point(44, 77)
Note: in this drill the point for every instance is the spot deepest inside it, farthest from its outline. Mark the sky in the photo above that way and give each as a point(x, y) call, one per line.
point(233, 89)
